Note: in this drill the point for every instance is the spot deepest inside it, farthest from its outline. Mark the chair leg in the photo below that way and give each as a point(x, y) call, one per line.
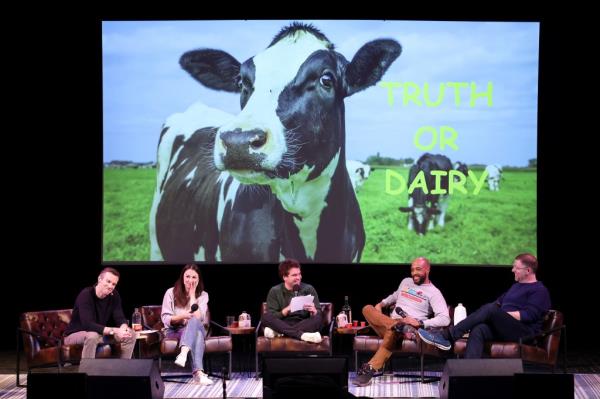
point(422, 367)
point(230, 361)
point(256, 366)
point(355, 361)
point(565, 349)
point(19, 362)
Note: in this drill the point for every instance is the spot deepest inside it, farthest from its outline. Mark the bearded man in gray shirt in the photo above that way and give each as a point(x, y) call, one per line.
point(417, 303)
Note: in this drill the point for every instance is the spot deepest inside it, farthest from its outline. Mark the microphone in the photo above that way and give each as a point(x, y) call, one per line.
point(194, 308)
point(400, 311)
point(296, 288)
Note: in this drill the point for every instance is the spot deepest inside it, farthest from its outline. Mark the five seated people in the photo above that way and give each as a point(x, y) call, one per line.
point(418, 306)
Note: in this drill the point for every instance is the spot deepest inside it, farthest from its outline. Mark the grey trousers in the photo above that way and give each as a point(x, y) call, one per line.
point(91, 339)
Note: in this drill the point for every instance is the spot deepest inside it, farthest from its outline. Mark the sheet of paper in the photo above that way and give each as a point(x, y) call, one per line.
point(298, 302)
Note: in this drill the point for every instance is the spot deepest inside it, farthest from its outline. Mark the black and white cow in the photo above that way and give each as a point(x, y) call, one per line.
point(359, 172)
point(426, 210)
point(271, 181)
point(462, 168)
point(494, 174)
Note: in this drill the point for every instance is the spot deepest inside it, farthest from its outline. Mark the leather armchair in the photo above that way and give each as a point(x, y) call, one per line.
point(295, 346)
point(215, 344)
point(542, 348)
point(409, 346)
point(42, 333)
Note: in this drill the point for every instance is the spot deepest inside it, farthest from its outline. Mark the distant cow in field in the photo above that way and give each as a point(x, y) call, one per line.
point(270, 182)
point(494, 174)
point(426, 210)
point(462, 168)
point(358, 172)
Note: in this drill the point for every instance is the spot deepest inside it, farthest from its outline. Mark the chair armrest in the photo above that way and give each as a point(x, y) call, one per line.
point(214, 323)
point(40, 336)
point(257, 331)
point(542, 334)
point(330, 332)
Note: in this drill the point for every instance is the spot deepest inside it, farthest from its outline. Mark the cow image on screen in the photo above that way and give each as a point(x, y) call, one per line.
point(425, 209)
point(358, 172)
point(494, 175)
point(270, 182)
point(462, 168)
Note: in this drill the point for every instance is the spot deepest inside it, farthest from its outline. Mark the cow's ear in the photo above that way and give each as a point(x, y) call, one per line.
point(215, 69)
point(370, 63)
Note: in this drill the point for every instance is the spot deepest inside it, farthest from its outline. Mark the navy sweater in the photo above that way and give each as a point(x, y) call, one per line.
point(532, 300)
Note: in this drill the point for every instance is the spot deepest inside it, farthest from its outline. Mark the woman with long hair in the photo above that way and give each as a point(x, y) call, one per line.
point(183, 323)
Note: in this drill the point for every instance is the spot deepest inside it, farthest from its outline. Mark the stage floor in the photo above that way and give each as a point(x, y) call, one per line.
point(587, 386)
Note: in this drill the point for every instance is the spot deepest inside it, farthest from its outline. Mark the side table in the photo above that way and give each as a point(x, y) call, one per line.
point(149, 339)
point(246, 335)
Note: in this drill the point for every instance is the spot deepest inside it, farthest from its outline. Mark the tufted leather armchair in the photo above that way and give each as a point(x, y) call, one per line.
point(170, 347)
point(42, 333)
point(291, 345)
point(542, 348)
point(407, 346)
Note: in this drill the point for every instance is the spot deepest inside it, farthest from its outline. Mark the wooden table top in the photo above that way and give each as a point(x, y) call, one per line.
point(350, 330)
point(241, 330)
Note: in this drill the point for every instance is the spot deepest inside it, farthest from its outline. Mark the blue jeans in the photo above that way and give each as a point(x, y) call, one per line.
point(192, 336)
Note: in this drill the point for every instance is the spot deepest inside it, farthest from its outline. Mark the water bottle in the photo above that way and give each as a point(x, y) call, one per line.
point(136, 320)
point(460, 313)
point(244, 320)
point(347, 309)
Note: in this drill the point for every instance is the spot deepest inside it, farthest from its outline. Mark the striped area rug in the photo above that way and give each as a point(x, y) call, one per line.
point(587, 386)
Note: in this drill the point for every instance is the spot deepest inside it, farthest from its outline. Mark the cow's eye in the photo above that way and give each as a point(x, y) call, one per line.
point(326, 80)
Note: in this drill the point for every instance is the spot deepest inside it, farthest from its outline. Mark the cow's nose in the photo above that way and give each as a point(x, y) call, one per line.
point(238, 145)
point(243, 140)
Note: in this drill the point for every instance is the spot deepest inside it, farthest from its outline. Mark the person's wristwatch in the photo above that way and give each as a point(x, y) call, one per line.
point(421, 324)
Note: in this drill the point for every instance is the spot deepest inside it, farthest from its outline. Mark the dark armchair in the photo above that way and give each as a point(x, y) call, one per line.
point(541, 349)
point(215, 344)
point(409, 346)
point(42, 334)
point(290, 345)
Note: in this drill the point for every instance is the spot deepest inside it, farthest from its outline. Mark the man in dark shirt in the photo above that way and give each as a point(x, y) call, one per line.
point(517, 313)
point(94, 307)
point(279, 320)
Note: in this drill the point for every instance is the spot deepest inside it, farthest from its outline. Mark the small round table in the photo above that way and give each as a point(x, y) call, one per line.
point(148, 337)
point(351, 330)
point(246, 334)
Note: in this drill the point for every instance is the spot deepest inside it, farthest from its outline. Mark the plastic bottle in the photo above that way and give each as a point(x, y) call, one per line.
point(460, 313)
point(347, 309)
point(136, 320)
point(244, 320)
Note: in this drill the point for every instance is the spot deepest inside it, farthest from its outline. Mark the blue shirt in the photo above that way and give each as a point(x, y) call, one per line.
point(532, 300)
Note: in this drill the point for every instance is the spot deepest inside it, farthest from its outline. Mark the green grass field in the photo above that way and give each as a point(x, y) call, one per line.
point(127, 200)
point(488, 228)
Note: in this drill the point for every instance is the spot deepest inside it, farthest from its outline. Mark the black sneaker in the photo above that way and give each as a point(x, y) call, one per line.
point(364, 375)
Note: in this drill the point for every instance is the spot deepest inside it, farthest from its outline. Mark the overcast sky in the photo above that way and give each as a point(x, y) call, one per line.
point(143, 84)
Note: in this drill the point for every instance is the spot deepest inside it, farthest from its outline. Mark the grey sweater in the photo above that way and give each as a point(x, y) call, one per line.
point(422, 302)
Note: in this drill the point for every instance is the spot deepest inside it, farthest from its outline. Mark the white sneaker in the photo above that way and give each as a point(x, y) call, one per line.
point(270, 333)
point(202, 379)
point(312, 337)
point(181, 359)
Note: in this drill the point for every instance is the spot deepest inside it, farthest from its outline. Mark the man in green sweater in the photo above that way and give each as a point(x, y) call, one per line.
point(279, 320)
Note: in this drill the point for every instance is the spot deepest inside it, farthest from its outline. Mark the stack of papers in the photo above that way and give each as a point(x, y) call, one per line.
point(298, 302)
